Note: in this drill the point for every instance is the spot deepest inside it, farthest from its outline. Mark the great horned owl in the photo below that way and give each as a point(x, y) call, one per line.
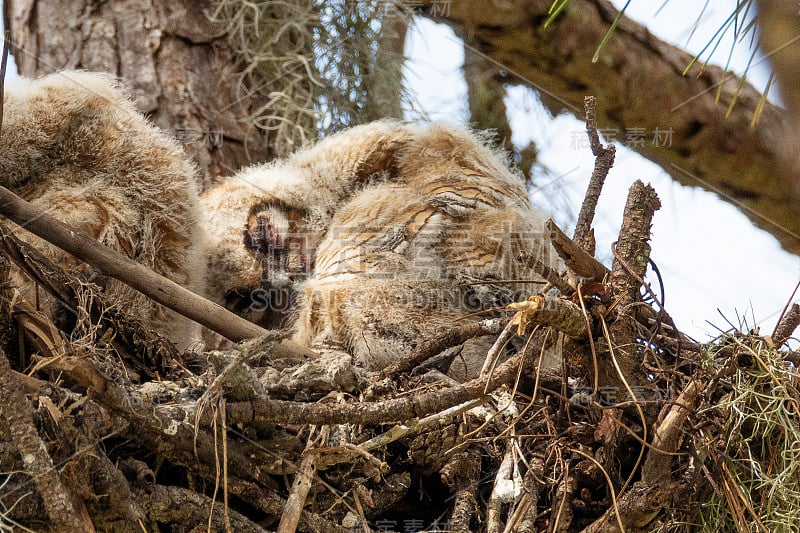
point(74, 144)
point(390, 232)
point(288, 206)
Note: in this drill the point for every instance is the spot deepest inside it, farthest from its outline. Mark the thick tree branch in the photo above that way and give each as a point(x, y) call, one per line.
point(780, 40)
point(678, 122)
point(394, 410)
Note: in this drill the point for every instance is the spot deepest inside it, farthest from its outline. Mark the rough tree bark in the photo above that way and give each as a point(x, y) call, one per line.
point(639, 85)
point(178, 65)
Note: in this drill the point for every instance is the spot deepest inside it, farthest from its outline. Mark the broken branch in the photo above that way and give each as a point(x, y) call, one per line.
point(124, 269)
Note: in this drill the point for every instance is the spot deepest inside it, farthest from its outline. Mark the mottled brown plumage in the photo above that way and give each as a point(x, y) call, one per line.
point(388, 232)
point(400, 230)
point(73, 143)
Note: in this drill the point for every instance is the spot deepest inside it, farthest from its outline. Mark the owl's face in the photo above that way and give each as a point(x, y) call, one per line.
point(285, 252)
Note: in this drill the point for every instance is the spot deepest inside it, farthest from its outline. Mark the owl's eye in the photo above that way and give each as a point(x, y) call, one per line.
point(267, 231)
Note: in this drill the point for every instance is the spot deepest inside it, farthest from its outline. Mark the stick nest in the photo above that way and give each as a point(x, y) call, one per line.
point(105, 427)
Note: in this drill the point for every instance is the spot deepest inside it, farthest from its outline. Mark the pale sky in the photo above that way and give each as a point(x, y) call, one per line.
point(709, 254)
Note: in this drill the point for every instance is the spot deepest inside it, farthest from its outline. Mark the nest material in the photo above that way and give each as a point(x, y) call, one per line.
point(698, 438)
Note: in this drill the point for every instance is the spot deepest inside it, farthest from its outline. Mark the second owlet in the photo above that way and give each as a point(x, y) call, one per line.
point(73, 144)
point(391, 233)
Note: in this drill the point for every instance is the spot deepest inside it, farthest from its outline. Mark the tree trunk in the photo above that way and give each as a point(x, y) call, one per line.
point(675, 121)
point(487, 107)
point(386, 96)
point(177, 63)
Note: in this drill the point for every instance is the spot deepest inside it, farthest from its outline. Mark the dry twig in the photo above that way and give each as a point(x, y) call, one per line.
point(604, 159)
point(631, 257)
point(575, 258)
point(395, 410)
point(427, 349)
point(461, 473)
point(668, 435)
point(302, 483)
point(787, 325)
point(126, 270)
